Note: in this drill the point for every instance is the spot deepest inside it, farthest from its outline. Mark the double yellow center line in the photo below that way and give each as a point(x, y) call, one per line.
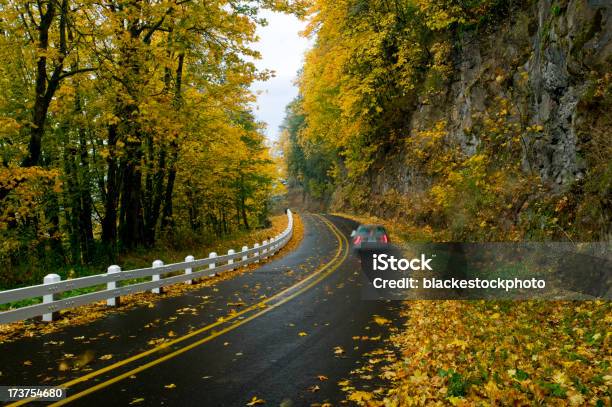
point(264, 306)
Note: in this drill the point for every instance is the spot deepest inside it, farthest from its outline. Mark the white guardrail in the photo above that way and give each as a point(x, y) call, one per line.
point(212, 265)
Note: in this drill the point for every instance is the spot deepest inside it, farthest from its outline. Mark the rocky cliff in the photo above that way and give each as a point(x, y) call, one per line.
point(549, 62)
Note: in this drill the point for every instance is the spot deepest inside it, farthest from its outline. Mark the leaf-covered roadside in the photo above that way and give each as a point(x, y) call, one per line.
point(497, 353)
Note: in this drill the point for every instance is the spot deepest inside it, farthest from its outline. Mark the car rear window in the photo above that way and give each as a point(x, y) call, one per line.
point(365, 229)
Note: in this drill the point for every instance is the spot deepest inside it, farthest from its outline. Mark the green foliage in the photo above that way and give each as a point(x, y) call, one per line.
point(308, 164)
point(457, 385)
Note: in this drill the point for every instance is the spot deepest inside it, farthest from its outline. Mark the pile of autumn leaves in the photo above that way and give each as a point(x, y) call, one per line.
point(498, 353)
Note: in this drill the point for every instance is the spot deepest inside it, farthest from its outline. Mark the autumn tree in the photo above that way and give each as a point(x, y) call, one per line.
point(124, 122)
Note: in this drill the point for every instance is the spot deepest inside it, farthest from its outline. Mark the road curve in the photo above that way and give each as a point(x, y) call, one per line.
point(270, 334)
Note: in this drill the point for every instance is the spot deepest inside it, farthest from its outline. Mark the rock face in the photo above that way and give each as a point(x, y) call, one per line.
point(568, 46)
point(543, 58)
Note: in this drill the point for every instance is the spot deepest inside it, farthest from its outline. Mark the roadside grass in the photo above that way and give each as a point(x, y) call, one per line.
point(88, 313)
point(477, 353)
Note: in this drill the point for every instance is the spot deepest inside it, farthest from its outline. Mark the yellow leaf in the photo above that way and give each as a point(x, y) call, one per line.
point(170, 386)
point(455, 401)
point(560, 377)
point(418, 377)
point(302, 334)
point(576, 399)
point(381, 320)
point(255, 401)
point(106, 357)
point(458, 343)
point(136, 401)
point(360, 396)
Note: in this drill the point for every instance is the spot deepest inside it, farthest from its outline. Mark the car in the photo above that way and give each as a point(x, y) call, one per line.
point(369, 237)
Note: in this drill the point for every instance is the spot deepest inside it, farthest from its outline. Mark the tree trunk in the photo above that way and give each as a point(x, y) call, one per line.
point(111, 194)
point(71, 197)
point(131, 224)
point(86, 237)
point(174, 150)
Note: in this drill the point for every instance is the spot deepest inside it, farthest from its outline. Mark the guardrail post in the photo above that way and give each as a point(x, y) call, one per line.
point(111, 285)
point(156, 277)
point(189, 270)
point(256, 254)
point(265, 250)
point(231, 261)
point(245, 256)
point(48, 298)
point(211, 266)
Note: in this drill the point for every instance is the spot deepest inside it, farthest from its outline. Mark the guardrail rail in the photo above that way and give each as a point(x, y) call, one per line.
point(52, 284)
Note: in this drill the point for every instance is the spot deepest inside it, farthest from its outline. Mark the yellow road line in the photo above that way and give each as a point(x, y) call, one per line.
point(166, 345)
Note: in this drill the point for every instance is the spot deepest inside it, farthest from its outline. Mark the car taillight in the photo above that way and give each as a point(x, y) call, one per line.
point(357, 240)
point(384, 239)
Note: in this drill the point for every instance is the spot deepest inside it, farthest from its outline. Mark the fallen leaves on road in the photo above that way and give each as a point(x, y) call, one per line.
point(302, 334)
point(137, 401)
point(314, 388)
point(63, 366)
point(106, 357)
point(338, 350)
point(157, 341)
point(170, 386)
point(361, 397)
point(84, 359)
point(322, 378)
point(381, 320)
point(255, 401)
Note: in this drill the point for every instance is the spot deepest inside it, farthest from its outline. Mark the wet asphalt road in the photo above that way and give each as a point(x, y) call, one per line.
point(274, 352)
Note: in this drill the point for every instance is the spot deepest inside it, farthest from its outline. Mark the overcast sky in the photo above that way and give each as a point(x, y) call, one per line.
point(282, 50)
